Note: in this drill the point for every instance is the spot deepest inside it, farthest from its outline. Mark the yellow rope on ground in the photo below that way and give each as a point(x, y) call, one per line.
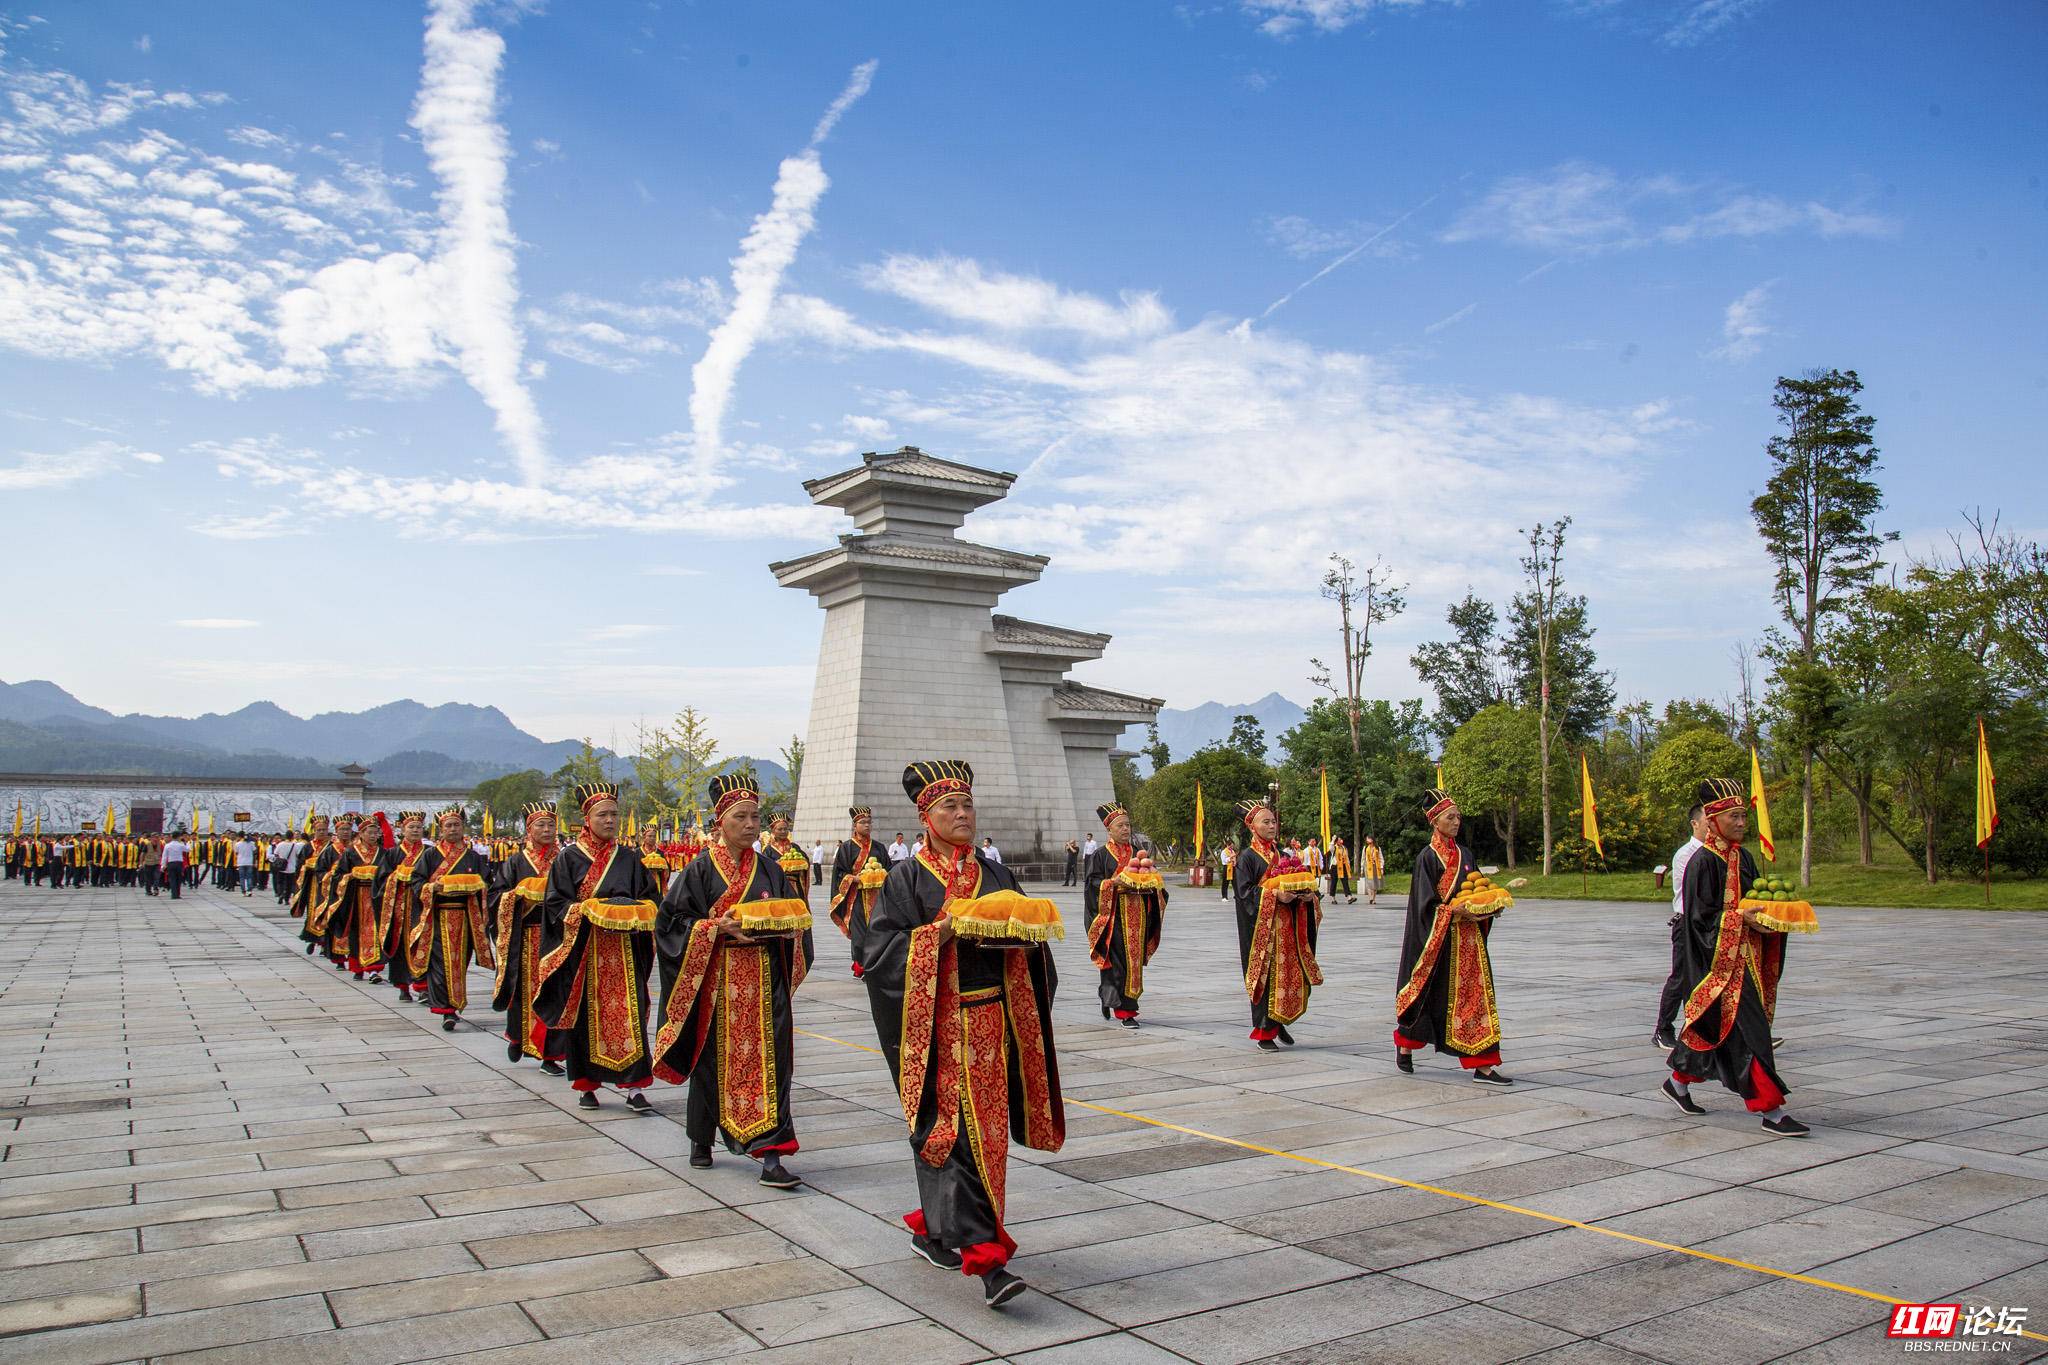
point(1557, 1219)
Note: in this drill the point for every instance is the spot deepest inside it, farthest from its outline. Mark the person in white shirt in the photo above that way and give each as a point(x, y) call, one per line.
point(898, 850)
point(172, 861)
point(1665, 1038)
point(991, 852)
point(280, 859)
point(1088, 847)
point(245, 864)
point(817, 862)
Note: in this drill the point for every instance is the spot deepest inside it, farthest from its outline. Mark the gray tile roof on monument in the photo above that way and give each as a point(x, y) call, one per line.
point(888, 546)
point(1012, 630)
point(915, 463)
point(1073, 696)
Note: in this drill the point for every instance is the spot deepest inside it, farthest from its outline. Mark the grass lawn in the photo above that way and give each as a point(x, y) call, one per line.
point(1892, 882)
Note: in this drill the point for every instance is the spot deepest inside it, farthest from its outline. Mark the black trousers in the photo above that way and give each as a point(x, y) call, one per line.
point(174, 873)
point(1674, 985)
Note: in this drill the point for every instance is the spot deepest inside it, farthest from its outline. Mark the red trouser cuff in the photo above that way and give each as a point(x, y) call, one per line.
point(1264, 1035)
point(1125, 1014)
point(1684, 1079)
point(1483, 1060)
point(582, 1085)
point(914, 1220)
point(1408, 1043)
point(983, 1257)
point(779, 1149)
point(1768, 1096)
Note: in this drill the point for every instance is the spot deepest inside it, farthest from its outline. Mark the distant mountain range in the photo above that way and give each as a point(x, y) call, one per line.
point(43, 728)
point(1186, 731)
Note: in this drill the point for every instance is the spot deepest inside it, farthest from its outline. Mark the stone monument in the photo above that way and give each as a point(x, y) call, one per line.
point(917, 663)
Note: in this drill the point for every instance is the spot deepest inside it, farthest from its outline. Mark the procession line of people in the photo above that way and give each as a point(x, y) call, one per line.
point(616, 965)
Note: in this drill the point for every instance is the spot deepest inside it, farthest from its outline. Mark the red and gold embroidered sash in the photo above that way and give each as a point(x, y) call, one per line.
point(847, 894)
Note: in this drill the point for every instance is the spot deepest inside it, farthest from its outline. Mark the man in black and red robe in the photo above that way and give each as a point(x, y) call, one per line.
point(596, 949)
point(1123, 921)
point(727, 1025)
point(1444, 988)
point(1276, 932)
point(449, 883)
point(519, 893)
point(1732, 965)
point(966, 1028)
point(850, 901)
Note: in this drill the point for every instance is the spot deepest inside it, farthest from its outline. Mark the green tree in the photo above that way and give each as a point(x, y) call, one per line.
point(1165, 805)
point(784, 796)
point(1492, 767)
point(1549, 652)
point(1464, 671)
point(1676, 768)
point(1815, 516)
point(1157, 755)
point(1363, 601)
point(1938, 680)
point(585, 765)
point(504, 797)
point(1248, 737)
point(677, 761)
point(1376, 789)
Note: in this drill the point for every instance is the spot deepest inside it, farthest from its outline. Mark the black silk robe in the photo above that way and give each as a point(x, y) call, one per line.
point(350, 913)
point(1731, 985)
point(727, 1024)
point(967, 1033)
point(449, 927)
point(518, 922)
point(849, 903)
point(592, 991)
point(1443, 991)
point(316, 871)
point(1123, 929)
point(397, 910)
point(1276, 944)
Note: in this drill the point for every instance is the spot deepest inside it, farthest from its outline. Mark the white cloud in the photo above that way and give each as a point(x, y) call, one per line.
point(1744, 325)
point(217, 623)
point(456, 116)
point(1305, 239)
point(36, 471)
point(765, 256)
point(629, 631)
point(1285, 18)
point(1581, 207)
point(1014, 303)
point(1705, 18)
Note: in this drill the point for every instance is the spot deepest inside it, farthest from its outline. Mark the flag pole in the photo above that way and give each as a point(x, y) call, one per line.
point(1983, 844)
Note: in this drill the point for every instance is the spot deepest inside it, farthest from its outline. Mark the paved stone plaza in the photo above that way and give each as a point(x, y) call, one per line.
point(220, 1149)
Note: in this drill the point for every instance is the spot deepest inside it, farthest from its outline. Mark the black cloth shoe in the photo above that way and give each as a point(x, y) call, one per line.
point(587, 1100)
point(448, 1024)
point(376, 978)
point(1662, 1040)
point(933, 1253)
point(1105, 1011)
point(1130, 1023)
point(998, 1287)
point(637, 1102)
point(1405, 1061)
point(310, 947)
point(1268, 1045)
point(1786, 1127)
point(512, 1051)
point(1285, 1037)
point(1681, 1099)
point(776, 1176)
point(1490, 1076)
point(550, 1068)
point(700, 1155)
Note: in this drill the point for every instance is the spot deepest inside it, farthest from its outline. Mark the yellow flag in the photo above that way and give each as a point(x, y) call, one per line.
point(1763, 806)
point(1987, 793)
point(489, 828)
point(108, 824)
point(1440, 785)
point(633, 823)
point(1199, 822)
point(1589, 814)
point(1325, 822)
point(128, 823)
point(17, 815)
point(307, 828)
point(39, 824)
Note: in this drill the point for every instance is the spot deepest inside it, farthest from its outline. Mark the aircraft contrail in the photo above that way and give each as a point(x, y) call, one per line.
point(1275, 305)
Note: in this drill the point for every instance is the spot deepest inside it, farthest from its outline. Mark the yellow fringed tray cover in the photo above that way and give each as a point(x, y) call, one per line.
point(1006, 915)
point(1787, 917)
point(460, 884)
point(873, 875)
point(619, 913)
point(533, 889)
point(363, 872)
point(793, 861)
point(1141, 881)
point(1291, 881)
point(769, 916)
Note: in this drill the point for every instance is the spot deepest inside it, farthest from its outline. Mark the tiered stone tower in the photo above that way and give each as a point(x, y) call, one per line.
point(916, 663)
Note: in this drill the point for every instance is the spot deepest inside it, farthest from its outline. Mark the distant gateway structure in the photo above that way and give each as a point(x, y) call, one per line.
point(916, 663)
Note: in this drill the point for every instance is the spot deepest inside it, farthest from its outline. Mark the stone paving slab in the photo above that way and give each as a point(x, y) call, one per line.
point(218, 1149)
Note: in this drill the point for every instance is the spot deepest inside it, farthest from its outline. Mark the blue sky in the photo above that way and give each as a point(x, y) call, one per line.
point(515, 328)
